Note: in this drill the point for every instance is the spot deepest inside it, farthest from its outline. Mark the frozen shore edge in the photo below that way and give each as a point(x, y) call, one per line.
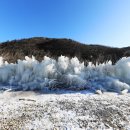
point(73, 111)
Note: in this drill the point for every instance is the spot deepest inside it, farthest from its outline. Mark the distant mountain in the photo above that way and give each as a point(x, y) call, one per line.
point(52, 47)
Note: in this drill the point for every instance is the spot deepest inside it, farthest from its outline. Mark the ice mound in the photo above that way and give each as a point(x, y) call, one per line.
point(64, 73)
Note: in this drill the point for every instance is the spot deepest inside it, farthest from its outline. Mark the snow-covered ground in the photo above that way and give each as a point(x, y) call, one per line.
point(73, 105)
point(70, 111)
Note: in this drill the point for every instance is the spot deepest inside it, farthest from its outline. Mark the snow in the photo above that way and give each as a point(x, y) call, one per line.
point(71, 103)
point(70, 111)
point(65, 73)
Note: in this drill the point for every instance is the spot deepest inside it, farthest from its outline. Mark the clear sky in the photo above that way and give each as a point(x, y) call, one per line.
point(104, 22)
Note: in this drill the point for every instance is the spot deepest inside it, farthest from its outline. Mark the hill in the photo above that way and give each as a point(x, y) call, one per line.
point(52, 47)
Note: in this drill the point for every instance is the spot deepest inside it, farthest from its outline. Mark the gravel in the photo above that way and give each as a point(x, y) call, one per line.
point(70, 111)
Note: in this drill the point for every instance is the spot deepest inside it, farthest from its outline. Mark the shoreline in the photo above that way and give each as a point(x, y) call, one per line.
point(75, 111)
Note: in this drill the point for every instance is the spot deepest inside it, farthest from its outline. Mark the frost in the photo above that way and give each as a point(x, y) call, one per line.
point(72, 111)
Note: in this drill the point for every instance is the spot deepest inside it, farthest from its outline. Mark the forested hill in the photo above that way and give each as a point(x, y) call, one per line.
point(52, 47)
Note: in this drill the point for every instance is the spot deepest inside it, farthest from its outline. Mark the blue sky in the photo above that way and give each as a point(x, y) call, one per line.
point(105, 22)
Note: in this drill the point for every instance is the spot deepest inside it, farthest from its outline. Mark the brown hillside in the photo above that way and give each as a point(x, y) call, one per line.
point(39, 47)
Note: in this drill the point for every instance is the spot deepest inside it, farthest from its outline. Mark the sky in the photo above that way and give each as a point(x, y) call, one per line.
point(104, 22)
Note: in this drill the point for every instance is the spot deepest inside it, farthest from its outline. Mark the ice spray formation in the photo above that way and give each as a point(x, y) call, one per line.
point(64, 73)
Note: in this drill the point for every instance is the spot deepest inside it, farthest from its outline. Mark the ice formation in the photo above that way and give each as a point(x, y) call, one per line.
point(65, 73)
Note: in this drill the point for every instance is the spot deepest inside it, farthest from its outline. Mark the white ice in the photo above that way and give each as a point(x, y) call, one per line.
point(65, 73)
